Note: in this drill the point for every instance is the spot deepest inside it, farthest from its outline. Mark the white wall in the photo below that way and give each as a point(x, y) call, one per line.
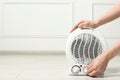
point(45, 24)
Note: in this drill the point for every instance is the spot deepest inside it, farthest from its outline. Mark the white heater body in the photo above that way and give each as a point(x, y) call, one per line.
point(83, 45)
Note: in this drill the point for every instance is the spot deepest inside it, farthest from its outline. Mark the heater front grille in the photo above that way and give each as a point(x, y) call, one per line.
point(86, 47)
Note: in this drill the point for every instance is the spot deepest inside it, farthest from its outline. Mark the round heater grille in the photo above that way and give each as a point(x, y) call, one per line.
point(85, 47)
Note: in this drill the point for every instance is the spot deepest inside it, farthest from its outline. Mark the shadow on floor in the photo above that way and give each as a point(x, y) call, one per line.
point(111, 72)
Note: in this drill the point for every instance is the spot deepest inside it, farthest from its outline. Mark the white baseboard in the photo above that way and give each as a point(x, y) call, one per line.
point(32, 52)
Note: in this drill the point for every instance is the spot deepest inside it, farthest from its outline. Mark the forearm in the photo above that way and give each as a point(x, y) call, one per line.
point(113, 51)
point(112, 14)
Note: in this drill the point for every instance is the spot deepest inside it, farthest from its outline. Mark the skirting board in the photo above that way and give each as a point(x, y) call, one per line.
point(32, 52)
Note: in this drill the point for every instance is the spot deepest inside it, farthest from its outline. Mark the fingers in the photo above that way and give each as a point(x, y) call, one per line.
point(90, 66)
point(93, 73)
point(91, 70)
point(82, 25)
point(76, 26)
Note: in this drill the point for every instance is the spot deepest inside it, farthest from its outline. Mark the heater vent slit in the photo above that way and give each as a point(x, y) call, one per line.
point(79, 48)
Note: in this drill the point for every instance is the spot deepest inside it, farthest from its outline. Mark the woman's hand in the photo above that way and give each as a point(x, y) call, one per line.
point(84, 23)
point(98, 65)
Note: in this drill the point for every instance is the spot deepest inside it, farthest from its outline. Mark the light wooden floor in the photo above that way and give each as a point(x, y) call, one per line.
point(46, 67)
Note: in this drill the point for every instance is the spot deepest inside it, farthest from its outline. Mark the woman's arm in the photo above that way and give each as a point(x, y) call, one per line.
point(112, 14)
point(113, 51)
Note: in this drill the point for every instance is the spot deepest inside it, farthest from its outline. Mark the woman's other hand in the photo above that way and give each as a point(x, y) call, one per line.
point(98, 65)
point(84, 23)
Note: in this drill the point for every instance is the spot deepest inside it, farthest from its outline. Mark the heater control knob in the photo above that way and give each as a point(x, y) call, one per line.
point(75, 69)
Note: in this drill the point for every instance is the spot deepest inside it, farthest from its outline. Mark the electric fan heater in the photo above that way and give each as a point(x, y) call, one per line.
point(83, 45)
